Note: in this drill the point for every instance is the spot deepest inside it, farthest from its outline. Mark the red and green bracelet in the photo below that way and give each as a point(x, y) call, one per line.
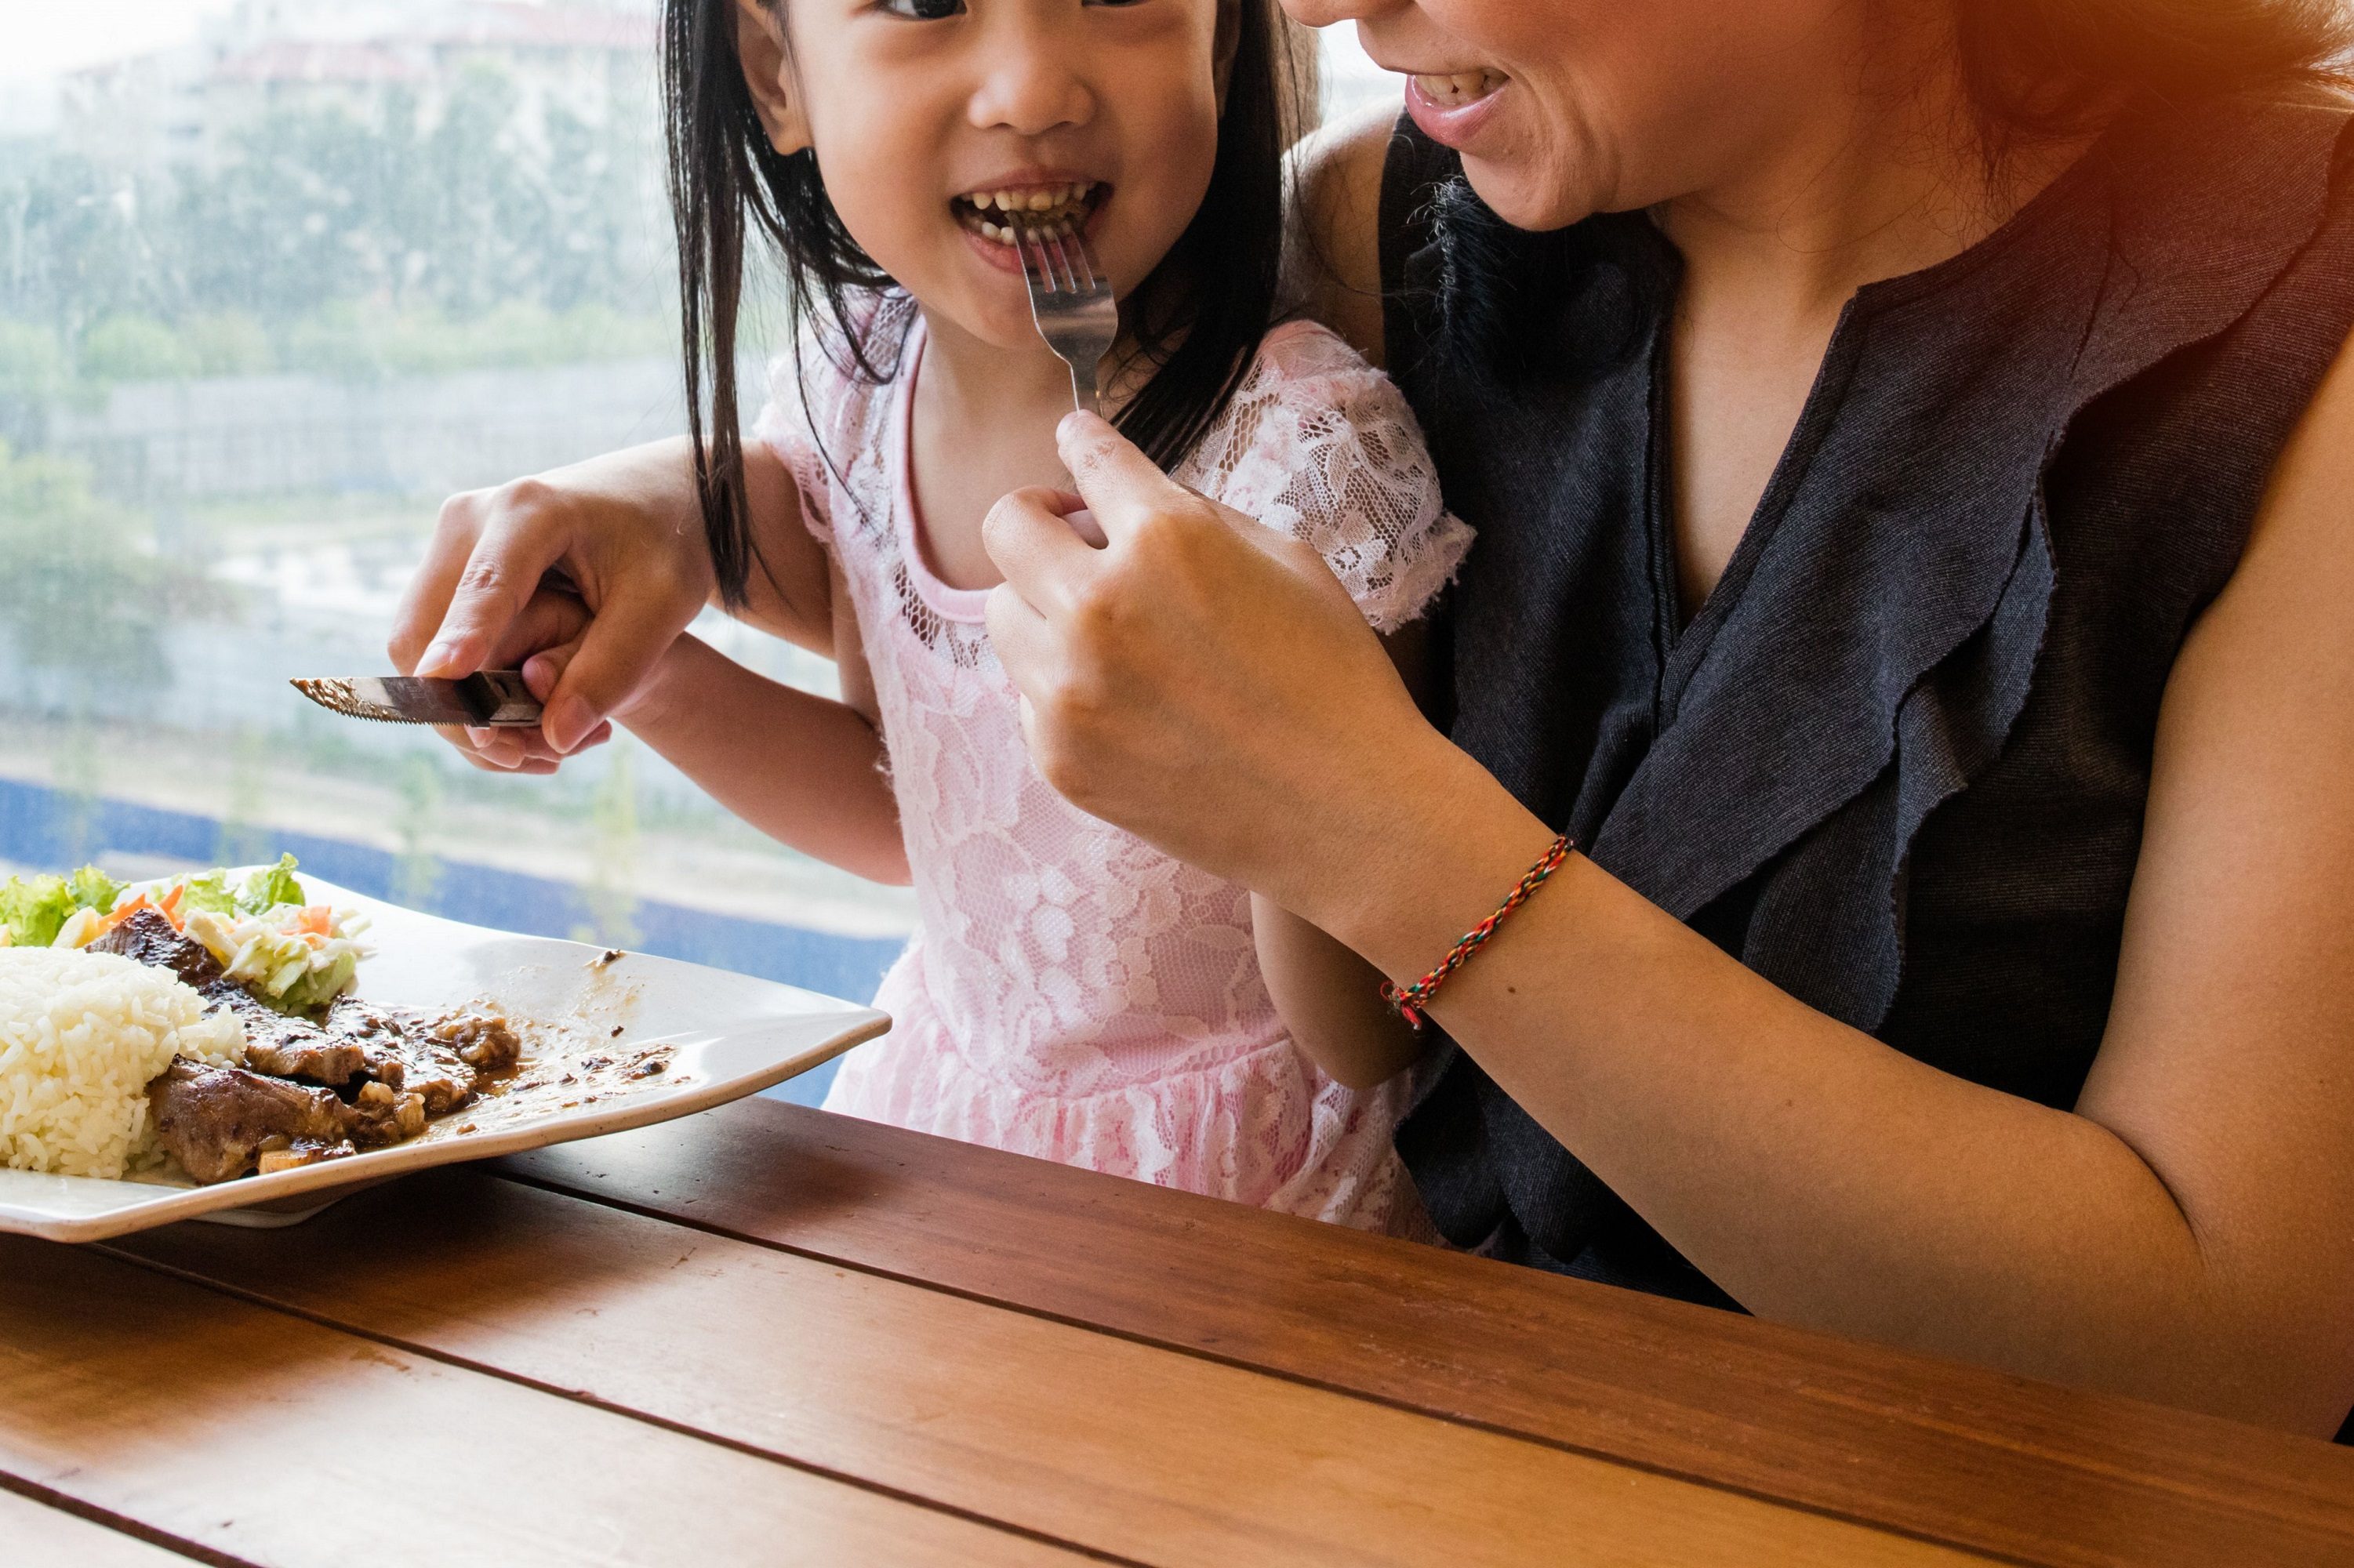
point(1412, 1001)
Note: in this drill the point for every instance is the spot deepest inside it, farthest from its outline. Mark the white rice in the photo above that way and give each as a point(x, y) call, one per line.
point(81, 1035)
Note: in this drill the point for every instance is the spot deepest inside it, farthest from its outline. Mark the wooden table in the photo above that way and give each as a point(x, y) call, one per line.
point(767, 1335)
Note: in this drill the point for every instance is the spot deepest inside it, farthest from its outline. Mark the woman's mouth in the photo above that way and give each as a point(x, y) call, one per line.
point(1056, 210)
point(1458, 90)
point(1451, 107)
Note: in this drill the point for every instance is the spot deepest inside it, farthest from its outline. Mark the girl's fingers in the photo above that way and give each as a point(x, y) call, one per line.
point(616, 652)
point(542, 673)
point(551, 617)
point(543, 670)
point(1028, 535)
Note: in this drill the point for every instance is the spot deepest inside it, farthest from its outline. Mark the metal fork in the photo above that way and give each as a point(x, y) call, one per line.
point(1070, 299)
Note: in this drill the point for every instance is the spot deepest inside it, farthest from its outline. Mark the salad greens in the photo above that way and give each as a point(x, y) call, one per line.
point(34, 909)
point(263, 890)
point(264, 931)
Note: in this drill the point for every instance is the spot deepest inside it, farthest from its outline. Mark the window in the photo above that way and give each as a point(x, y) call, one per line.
point(275, 277)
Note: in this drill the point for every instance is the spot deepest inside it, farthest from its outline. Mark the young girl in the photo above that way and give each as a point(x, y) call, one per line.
point(1072, 993)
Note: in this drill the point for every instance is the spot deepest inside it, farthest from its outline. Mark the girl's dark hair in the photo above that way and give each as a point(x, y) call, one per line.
point(1198, 319)
point(2045, 68)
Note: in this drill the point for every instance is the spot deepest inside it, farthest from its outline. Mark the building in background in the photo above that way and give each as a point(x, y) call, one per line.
point(187, 106)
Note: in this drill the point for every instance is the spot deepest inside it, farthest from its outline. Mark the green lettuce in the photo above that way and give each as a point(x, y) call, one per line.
point(208, 891)
point(267, 889)
point(36, 908)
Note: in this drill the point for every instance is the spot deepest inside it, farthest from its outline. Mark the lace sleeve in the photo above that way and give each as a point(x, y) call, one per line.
point(789, 425)
point(1323, 447)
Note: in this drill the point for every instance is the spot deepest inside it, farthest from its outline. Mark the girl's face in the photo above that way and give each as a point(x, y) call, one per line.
point(937, 125)
point(1565, 108)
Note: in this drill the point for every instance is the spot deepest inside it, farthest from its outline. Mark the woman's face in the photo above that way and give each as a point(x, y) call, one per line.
point(1565, 108)
point(938, 125)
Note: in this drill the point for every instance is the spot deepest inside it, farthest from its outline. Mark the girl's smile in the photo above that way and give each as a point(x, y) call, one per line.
point(995, 214)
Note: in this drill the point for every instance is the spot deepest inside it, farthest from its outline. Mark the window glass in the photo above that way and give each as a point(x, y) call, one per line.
point(276, 276)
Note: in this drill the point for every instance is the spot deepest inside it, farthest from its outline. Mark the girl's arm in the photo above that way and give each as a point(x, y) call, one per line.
point(804, 770)
point(1329, 1000)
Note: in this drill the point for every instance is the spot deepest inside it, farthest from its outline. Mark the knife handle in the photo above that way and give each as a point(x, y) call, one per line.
point(499, 698)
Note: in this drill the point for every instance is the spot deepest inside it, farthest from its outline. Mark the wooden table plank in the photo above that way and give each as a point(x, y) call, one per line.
point(1087, 1438)
point(34, 1534)
point(1952, 1453)
point(280, 1443)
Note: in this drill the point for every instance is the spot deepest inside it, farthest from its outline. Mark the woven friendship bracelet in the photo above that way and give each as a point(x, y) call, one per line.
point(1412, 1001)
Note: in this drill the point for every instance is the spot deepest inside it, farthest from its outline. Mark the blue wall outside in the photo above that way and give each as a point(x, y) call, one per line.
point(38, 827)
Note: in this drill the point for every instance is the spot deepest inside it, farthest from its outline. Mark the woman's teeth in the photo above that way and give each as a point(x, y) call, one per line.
point(1460, 87)
point(1002, 216)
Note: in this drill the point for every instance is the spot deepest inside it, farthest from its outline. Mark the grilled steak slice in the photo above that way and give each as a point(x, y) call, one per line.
point(215, 1121)
point(147, 937)
point(398, 1050)
point(288, 1047)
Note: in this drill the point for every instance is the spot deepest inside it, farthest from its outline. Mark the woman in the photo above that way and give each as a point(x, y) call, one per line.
point(1909, 443)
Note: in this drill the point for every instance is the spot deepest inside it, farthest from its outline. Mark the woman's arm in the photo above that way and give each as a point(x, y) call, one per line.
point(1330, 999)
point(2186, 1234)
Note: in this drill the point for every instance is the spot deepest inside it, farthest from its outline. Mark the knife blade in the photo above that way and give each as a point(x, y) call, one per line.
point(493, 699)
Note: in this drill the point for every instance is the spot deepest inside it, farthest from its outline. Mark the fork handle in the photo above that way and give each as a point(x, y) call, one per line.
point(1083, 396)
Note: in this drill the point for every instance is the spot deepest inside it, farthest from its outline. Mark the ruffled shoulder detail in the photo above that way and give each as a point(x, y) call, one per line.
point(1321, 446)
point(1868, 652)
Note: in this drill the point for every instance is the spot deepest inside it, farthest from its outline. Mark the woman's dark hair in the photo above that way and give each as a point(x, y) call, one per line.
point(2045, 68)
point(1198, 319)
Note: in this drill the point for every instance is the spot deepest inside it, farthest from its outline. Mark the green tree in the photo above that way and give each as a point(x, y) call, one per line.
point(133, 348)
point(80, 590)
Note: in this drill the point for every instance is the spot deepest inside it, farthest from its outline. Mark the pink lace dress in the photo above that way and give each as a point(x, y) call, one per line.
point(1073, 993)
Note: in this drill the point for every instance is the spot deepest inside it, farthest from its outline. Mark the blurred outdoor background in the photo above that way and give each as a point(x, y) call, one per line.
point(276, 276)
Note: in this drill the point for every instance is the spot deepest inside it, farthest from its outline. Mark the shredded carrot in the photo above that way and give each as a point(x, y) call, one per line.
point(170, 907)
point(315, 919)
point(109, 922)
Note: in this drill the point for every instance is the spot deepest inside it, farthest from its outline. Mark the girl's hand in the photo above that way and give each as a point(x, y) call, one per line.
point(1204, 680)
point(541, 642)
point(620, 532)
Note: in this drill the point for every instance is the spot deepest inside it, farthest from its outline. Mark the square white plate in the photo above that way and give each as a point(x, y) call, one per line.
point(730, 1036)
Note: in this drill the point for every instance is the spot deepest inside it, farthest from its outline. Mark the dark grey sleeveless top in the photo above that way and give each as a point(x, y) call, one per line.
point(1897, 763)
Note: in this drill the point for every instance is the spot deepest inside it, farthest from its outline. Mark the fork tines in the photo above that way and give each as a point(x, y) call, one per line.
point(1071, 301)
point(1056, 264)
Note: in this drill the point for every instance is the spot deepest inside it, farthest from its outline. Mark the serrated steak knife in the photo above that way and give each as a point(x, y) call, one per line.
point(493, 699)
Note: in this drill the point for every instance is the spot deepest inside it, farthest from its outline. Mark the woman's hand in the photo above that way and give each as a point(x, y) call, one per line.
point(622, 533)
point(1201, 680)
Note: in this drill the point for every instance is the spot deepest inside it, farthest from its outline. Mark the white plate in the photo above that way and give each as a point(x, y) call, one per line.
point(730, 1036)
